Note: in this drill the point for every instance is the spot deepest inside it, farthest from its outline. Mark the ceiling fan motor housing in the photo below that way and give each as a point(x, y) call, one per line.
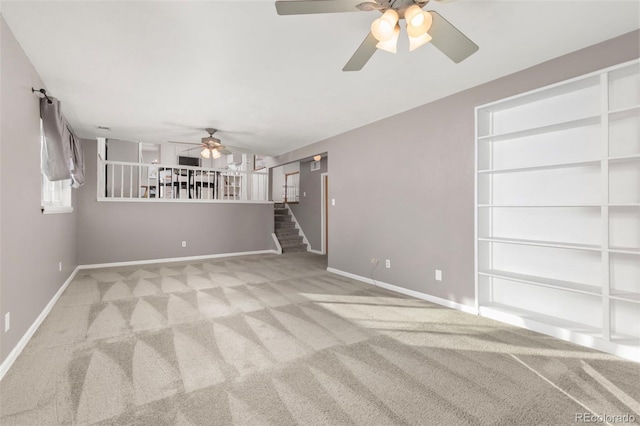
point(400, 6)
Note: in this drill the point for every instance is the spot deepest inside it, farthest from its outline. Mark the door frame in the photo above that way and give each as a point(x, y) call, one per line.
point(324, 180)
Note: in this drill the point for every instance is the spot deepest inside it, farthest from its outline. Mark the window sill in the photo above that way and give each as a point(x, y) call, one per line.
point(56, 209)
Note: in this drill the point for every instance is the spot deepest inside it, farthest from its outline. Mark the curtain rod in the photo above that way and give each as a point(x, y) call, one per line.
point(44, 92)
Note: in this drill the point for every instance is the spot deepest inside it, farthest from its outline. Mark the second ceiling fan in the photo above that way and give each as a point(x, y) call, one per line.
point(422, 27)
point(211, 147)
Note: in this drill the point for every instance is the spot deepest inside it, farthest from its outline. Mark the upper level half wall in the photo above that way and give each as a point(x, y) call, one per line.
point(32, 244)
point(404, 186)
point(111, 231)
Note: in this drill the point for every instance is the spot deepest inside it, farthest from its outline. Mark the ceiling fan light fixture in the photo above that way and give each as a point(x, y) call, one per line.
point(383, 28)
point(205, 153)
point(317, 157)
point(390, 45)
point(215, 154)
point(416, 42)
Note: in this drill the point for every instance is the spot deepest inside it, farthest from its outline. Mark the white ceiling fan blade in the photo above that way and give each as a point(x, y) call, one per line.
point(185, 143)
point(450, 40)
point(305, 7)
point(362, 54)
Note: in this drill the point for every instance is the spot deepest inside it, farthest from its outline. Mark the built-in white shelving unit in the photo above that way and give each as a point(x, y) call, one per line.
point(558, 210)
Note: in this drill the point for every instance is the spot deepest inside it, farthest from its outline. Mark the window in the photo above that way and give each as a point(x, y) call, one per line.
point(55, 196)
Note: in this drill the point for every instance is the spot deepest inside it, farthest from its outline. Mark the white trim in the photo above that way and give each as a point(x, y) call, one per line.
point(562, 333)
point(310, 250)
point(277, 243)
point(48, 209)
point(560, 83)
point(299, 228)
point(175, 259)
point(323, 204)
point(429, 298)
point(13, 355)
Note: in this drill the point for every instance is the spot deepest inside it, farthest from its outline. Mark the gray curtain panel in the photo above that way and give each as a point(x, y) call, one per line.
point(62, 156)
point(77, 159)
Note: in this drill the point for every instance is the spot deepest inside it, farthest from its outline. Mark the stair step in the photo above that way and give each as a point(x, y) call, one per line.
point(297, 247)
point(281, 225)
point(279, 205)
point(282, 217)
point(281, 211)
point(290, 239)
point(287, 232)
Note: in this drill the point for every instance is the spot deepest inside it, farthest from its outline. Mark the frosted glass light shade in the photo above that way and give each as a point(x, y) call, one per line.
point(317, 157)
point(414, 16)
point(420, 24)
point(215, 154)
point(383, 28)
point(391, 44)
point(205, 153)
point(415, 42)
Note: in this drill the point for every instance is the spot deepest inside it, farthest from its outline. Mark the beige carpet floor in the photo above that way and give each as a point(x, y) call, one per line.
point(277, 340)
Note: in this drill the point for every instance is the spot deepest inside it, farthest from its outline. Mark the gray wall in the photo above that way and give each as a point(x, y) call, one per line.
point(308, 211)
point(128, 231)
point(31, 243)
point(404, 186)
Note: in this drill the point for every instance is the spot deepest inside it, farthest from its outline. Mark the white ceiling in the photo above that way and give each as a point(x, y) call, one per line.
point(159, 71)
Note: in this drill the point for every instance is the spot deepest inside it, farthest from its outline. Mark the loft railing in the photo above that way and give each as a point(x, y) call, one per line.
point(291, 187)
point(124, 181)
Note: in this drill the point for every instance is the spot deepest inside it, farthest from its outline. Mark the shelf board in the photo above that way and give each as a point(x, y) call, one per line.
point(625, 111)
point(543, 282)
point(548, 128)
point(500, 309)
point(625, 296)
point(542, 167)
point(625, 339)
point(624, 250)
point(560, 165)
point(551, 244)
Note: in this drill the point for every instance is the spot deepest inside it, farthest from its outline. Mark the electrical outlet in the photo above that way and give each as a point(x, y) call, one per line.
point(7, 321)
point(304, 194)
point(438, 275)
point(387, 263)
point(333, 201)
point(184, 244)
point(374, 261)
point(60, 266)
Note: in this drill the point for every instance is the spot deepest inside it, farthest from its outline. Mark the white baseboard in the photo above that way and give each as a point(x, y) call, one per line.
point(310, 250)
point(623, 351)
point(13, 355)
point(429, 298)
point(176, 259)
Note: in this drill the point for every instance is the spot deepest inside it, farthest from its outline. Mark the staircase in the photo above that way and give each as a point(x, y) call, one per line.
point(288, 236)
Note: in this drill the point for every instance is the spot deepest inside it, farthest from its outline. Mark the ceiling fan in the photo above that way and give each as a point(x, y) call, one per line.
point(422, 27)
point(211, 147)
